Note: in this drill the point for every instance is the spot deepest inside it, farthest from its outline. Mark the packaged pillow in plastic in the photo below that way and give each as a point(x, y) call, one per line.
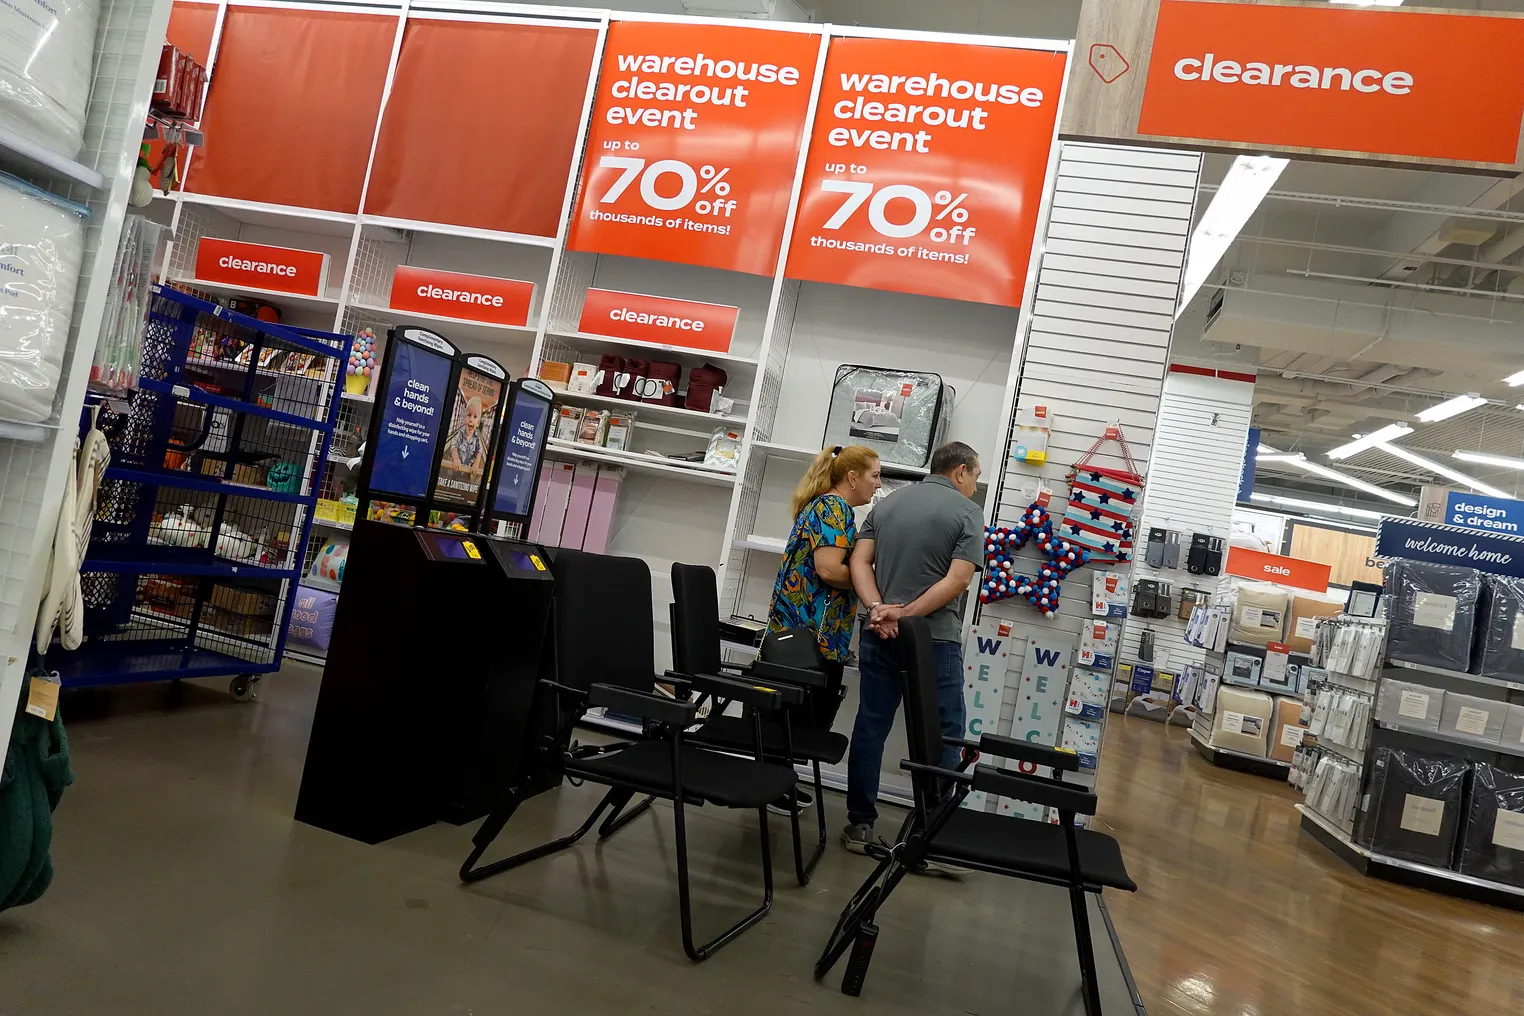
point(1431, 610)
point(1412, 806)
point(903, 415)
point(46, 48)
point(1493, 844)
point(42, 240)
point(1259, 614)
point(1500, 631)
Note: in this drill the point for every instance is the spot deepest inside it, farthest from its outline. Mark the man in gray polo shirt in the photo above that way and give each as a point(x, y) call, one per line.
point(915, 555)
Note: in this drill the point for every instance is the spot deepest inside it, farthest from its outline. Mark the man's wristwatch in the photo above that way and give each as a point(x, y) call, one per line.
point(875, 604)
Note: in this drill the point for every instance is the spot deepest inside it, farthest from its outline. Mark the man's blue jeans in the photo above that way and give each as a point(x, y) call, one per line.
point(878, 700)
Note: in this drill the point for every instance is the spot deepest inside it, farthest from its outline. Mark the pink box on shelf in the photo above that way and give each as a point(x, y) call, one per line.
point(541, 496)
point(557, 493)
point(600, 520)
point(579, 505)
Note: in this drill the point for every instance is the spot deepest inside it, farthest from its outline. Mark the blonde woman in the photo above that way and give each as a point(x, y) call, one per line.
point(814, 587)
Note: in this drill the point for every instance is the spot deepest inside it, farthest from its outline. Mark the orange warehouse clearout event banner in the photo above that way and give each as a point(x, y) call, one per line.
point(694, 143)
point(926, 168)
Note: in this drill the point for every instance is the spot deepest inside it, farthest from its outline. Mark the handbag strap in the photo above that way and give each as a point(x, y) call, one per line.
point(1113, 432)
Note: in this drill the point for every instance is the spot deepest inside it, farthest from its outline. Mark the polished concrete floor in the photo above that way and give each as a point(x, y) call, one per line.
point(184, 887)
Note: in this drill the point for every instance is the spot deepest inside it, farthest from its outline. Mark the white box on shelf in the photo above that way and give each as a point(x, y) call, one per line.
point(1405, 704)
point(1473, 718)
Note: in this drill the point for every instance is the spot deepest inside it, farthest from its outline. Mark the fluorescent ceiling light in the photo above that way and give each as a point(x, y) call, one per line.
point(1481, 458)
point(1452, 407)
point(1439, 470)
point(1265, 449)
point(1515, 379)
point(1301, 462)
point(1249, 179)
point(1315, 506)
point(1390, 432)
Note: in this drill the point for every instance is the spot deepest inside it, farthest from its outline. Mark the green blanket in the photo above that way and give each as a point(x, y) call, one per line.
point(35, 775)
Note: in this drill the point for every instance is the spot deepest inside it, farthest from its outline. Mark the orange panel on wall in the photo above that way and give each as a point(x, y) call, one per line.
point(481, 126)
point(292, 107)
point(191, 27)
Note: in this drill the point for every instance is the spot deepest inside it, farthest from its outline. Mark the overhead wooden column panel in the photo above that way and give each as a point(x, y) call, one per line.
point(481, 126)
point(292, 107)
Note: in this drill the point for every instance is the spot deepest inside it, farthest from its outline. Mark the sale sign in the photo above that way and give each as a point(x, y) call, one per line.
point(926, 168)
point(1338, 80)
point(1284, 571)
point(258, 266)
point(457, 295)
point(694, 142)
point(657, 319)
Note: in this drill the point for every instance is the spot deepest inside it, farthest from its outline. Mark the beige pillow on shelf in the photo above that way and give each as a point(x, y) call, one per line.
point(1259, 614)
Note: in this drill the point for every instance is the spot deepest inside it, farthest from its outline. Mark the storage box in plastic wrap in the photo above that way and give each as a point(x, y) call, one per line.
point(1242, 721)
point(1500, 635)
point(46, 49)
point(1513, 729)
point(41, 244)
point(1412, 806)
point(1259, 614)
point(903, 415)
point(1475, 719)
point(1409, 705)
point(1431, 610)
point(1492, 844)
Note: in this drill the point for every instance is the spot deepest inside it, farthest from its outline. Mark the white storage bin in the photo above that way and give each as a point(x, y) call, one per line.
point(1414, 706)
point(1476, 719)
point(1513, 729)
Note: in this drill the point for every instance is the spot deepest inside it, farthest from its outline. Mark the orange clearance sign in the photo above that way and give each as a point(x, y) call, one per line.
point(694, 143)
point(257, 266)
point(656, 319)
point(1285, 571)
point(926, 168)
point(1389, 82)
point(470, 297)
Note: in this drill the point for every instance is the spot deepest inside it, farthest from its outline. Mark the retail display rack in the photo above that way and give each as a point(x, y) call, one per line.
point(35, 461)
point(203, 514)
point(1435, 719)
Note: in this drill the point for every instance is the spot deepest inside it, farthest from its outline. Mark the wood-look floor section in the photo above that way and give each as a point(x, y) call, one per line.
point(1241, 914)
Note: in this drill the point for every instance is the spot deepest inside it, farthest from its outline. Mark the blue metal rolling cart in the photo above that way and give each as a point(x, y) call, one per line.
point(203, 516)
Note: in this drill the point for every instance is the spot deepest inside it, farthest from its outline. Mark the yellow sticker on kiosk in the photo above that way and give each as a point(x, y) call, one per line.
point(471, 550)
point(534, 559)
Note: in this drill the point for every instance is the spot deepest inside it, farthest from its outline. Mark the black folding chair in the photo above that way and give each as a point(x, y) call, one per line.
point(938, 829)
point(696, 650)
point(605, 657)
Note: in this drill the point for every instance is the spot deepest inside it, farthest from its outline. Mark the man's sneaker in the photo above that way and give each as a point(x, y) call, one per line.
point(941, 869)
point(780, 806)
point(858, 838)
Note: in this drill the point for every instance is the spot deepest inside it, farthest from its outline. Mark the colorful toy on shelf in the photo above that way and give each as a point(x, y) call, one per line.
point(362, 362)
point(329, 564)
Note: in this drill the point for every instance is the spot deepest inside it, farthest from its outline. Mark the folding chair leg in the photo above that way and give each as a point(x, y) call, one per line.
point(699, 953)
point(617, 821)
point(802, 868)
point(859, 912)
point(1086, 949)
point(493, 825)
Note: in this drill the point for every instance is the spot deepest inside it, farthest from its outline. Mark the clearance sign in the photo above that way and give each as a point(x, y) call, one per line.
point(456, 295)
point(926, 168)
point(1376, 84)
point(1341, 80)
point(259, 266)
point(694, 143)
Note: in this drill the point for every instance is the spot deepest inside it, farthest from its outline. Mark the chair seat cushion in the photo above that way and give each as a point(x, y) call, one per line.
point(707, 775)
point(1003, 841)
point(735, 732)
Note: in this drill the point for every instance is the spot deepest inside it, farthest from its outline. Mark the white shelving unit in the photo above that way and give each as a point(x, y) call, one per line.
point(34, 464)
point(642, 463)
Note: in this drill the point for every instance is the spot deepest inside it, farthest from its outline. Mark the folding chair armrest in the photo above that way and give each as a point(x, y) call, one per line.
point(739, 690)
point(1033, 789)
point(565, 689)
point(946, 774)
point(1026, 751)
point(777, 673)
point(645, 704)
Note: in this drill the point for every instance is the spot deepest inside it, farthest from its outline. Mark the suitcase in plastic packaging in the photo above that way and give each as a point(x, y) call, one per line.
point(1492, 845)
point(1412, 806)
point(1431, 610)
point(902, 415)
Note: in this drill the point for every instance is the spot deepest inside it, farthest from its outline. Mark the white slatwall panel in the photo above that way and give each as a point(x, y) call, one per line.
point(1098, 339)
point(1192, 487)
